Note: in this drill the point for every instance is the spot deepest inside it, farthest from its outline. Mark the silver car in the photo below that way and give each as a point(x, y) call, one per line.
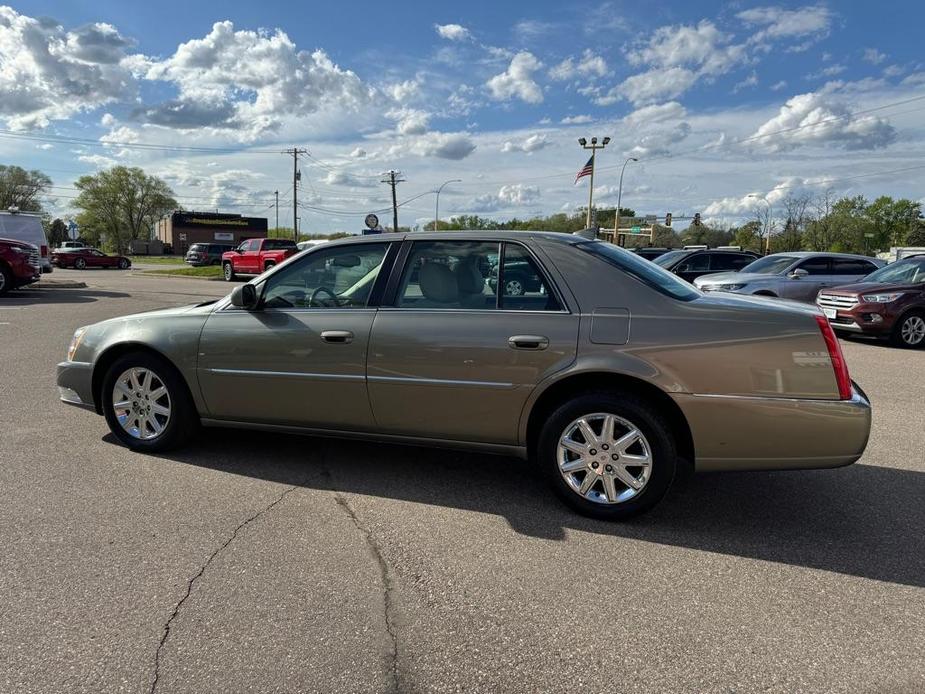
point(609, 372)
point(798, 275)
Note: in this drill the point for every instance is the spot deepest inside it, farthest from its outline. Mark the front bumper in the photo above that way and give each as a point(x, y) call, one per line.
point(75, 384)
point(761, 433)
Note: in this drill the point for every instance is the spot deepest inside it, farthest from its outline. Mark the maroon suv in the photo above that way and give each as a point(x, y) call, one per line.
point(887, 303)
point(19, 265)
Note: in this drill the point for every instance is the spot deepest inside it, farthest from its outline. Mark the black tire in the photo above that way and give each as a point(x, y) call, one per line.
point(515, 286)
point(906, 322)
point(80, 264)
point(123, 264)
point(645, 418)
point(268, 265)
point(228, 272)
point(183, 421)
point(6, 280)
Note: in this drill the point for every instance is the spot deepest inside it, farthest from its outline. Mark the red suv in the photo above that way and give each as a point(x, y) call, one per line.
point(887, 303)
point(19, 265)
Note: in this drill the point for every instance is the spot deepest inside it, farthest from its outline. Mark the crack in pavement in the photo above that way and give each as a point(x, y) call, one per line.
point(387, 586)
point(198, 575)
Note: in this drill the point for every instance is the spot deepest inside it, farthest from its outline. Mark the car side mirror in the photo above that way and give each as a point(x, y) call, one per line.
point(799, 273)
point(244, 296)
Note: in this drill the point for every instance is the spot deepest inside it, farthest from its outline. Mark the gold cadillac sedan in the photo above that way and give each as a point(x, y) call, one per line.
point(610, 373)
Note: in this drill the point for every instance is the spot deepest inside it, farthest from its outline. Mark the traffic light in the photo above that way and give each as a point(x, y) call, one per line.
point(668, 219)
point(697, 220)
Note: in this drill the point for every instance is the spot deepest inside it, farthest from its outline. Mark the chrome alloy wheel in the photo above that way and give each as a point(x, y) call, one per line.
point(604, 458)
point(141, 403)
point(913, 330)
point(514, 288)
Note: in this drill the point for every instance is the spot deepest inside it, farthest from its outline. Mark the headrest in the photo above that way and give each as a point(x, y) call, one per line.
point(468, 277)
point(438, 283)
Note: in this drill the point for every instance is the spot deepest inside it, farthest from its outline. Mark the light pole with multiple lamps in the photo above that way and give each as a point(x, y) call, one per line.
point(616, 221)
point(437, 204)
point(593, 147)
point(767, 241)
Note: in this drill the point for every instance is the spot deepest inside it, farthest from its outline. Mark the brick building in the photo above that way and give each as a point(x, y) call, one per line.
point(180, 230)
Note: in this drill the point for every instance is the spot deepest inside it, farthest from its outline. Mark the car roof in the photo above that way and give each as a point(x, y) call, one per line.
point(464, 235)
point(821, 254)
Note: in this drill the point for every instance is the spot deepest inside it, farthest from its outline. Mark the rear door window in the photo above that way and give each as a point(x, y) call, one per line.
point(449, 275)
point(699, 262)
point(816, 266)
point(852, 266)
point(524, 287)
point(729, 261)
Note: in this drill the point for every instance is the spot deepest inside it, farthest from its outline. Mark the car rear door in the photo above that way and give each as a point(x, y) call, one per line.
point(452, 356)
point(693, 266)
point(849, 270)
point(819, 271)
point(300, 359)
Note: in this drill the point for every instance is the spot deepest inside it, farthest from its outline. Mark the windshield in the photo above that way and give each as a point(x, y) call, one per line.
point(910, 271)
point(770, 265)
point(644, 270)
point(670, 257)
point(277, 244)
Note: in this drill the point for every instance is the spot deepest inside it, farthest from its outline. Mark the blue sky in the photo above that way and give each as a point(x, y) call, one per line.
point(717, 100)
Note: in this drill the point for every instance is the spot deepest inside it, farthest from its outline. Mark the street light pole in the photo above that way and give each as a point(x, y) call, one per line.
point(437, 204)
point(767, 239)
point(593, 147)
point(616, 221)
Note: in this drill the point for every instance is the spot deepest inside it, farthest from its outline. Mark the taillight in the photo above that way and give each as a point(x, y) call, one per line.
point(44, 251)
point(836, 357)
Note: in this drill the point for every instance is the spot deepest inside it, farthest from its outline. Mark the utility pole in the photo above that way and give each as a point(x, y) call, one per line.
point(616, 223)
point(437, 204)
point(276, 193)
point(593, 147)
point(296, 177)
point(392, 178)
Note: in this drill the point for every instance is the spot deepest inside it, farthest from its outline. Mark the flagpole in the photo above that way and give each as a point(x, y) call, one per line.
point(590, 191)
point(593, 147)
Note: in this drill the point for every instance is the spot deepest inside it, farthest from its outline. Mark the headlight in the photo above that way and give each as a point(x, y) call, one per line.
point(881, 298)
point(729, 287)
point(75, 343)
point(21, 251)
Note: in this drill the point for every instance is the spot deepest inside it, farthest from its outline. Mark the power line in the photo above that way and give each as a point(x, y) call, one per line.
point(145, 146)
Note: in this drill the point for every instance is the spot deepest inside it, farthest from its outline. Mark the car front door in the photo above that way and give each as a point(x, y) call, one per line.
point(454, 356)
point(300, 358)
point(804, 287)
point(96, 258)
point(694, 266)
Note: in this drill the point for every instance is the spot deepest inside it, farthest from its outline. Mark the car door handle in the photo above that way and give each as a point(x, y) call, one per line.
point(534, 342)
point(337, 337)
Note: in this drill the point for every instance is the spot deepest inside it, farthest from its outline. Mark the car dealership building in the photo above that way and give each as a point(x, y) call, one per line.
point(182, 229)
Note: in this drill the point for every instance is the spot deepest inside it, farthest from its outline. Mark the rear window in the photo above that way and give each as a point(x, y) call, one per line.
point(199, 247)
point(649, 273)
point(278, 244)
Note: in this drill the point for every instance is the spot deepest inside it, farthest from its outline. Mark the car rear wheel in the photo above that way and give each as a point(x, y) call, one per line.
point(80, 264)
point(228, 272)
point(268, 265)
point(147, 404)
point(909, 331)
point(607, 456)
point(123, 264)
point(6, 280)
point(514, 287)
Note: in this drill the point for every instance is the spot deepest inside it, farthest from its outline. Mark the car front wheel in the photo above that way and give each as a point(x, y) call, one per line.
point(123, 264)
point(147, 404)
point(80, 264)
point(910, 331)
point(607, 456)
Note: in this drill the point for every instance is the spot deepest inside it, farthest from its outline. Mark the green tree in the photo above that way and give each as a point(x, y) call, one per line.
point(121, 205)
point(916, 237)
point(748, 236)
point(57, 233)
point(891, 221)
point(22, 189)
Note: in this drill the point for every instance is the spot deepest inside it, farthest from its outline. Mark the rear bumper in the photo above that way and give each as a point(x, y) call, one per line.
point(758, 433)
point(75, 384)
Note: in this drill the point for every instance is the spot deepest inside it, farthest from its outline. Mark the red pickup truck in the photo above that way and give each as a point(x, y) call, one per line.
point(255, 256)
point(19, 265)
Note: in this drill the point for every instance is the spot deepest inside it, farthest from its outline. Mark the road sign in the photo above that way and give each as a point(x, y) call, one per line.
point(651, 219)
point(868, 235)
point(72, 229)
point(636, 230)
point(371, 221)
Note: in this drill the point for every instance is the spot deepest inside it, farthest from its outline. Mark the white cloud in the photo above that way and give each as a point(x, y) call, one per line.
point(646, 115)
point(577, 120)
point(702, 47)
point(659, 140)
point(529, 29)
point(752, 202)
point(750, 81)
point(817, 119)
point(513, 195)
point(830, 71)
point(453, 32)
point(777, 86)
point(517, 81)
point(588, 65)
point(533, 143)
point(358, 153)
point(654, 85)
point(779, 23)
point(873, 56)
point(453, 146)
point(344, 178)
point(49, 73)
point(403, 91)
point(410, 121)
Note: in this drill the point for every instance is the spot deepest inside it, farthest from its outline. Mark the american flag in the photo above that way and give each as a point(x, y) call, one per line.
point(586, 170)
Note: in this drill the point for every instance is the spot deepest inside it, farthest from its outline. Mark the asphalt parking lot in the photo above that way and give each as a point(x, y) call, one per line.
point(259, 562)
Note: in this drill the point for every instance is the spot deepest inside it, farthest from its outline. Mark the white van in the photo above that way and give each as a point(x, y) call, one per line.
point(27, 227)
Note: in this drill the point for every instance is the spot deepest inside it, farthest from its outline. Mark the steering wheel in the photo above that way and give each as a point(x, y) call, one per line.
point(322, 290)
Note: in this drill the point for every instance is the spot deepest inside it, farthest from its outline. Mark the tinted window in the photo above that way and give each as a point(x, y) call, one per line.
point(699, 262)
point(336, 278)
point(729, 261)
point(278, 244)
point(770, 265)
point(523, 285)
point(816, 266)
point(670, 258)
point(911, 271)
point(449, 274)
point(852, 267)
point(647, 272)
point(198, 247)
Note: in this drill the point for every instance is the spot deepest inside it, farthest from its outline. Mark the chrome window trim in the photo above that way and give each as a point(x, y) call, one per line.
point(287, 374)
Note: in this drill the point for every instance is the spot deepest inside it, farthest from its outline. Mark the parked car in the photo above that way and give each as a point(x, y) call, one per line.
point(691, 264)
point(255, 256)
point(311, 243)
point(649, 252)
point(798, 275)
point(20, 265)
point(27, 228)
point(70, 245)
point(207, 253)
point(887, 303)
point(613, 376)
point(82, 258)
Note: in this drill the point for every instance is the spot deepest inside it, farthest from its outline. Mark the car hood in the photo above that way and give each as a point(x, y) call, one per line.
point(733, 301)
point(203, 307)
point(871, 288)
point(733, 278)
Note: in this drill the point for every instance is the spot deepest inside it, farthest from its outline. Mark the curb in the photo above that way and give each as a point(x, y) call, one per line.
point(166, 275)
point(59, 284)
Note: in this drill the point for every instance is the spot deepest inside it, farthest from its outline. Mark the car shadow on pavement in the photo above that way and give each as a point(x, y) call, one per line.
point(29, 297)
point(860, 520)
